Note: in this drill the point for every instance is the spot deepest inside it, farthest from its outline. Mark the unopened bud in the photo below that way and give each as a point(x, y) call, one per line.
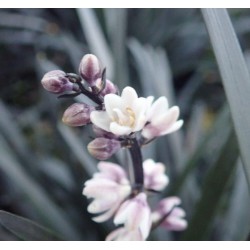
point(56, 81)
point(78, 114)
point(90, 69)
point(103, 148)
point(103, 133)
point(110, 88)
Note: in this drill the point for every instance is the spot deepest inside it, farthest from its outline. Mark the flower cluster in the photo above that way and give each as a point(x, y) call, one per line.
point(121, 121)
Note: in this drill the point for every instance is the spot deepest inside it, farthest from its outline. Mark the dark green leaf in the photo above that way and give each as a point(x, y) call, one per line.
point(25, 229)
point(235, 76)
point(213, 189)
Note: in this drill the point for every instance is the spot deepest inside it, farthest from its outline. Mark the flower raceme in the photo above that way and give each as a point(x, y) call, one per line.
point(121, 121)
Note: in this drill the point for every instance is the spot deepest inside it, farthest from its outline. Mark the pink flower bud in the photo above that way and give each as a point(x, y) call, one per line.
point(78, 114)
point(56, 81)
point(110, 88)
point(103, 148)
point(90, 69)
point(102, 133)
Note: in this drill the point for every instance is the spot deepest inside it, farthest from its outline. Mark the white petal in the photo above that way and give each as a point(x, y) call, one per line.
point(119, 130)
point(168, 119)
point(100, 119)
point(111, 102)
point(177, 125)
point(140, 107)
point(160, 106)
point(129, 95)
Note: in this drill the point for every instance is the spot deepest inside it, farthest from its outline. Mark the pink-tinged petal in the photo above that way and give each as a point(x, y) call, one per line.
point(167, 204)
point(176, 126)
point(100, 119)
point(129, 95)
point(175, 224)
point(105, 216)
point(122, 234)
point(119, 129)
point(154, 176)
point(135, 214)
point(150, 132)
point(160, 106)
point(166, 120)
point(178, 212)
point(112, 102)
point(146, 223)
point(113, 171)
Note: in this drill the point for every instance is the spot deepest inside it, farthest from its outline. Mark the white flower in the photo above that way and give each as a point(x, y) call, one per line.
point(175, 215)
point(108, 188)
point(123, 234)
point(161, 120)
point(124, 114)
point(154, 177)
point(135, 215)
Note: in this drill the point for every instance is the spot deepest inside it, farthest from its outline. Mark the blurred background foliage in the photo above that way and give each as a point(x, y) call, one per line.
point(44, 164)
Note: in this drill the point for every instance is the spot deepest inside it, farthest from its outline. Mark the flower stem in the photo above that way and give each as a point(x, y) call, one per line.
point(136, 156)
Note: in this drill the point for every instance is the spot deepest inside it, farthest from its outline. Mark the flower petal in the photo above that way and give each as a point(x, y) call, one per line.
point(129, 95)
point(112, 171)
point(100, 119)
point(112, 102)
point(177, 125)
point(119, 130)
point(160, 106)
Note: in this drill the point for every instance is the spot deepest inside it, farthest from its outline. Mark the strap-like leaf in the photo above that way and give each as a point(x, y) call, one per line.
point(25, 229)
point(235, 76)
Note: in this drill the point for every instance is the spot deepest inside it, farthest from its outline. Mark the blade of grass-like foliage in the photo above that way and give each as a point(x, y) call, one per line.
point(235, 76)
point(208, 145)
point(95, 38)
point(116, 23)
point(25, 229)
point(212, 192)
point(51, 214)
point(156, 78)
point(87, 162)
point(237, 219)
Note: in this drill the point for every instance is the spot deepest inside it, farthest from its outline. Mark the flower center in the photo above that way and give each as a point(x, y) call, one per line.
point(125, 118)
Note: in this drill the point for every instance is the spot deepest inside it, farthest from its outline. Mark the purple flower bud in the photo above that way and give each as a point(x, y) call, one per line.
point(56, 81)
point(110, 88)
point(78, 114)
point(103, 133)
point(90, 69)
point(103, 148)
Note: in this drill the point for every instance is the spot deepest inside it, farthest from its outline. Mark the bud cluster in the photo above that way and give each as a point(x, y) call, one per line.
point(120, 121)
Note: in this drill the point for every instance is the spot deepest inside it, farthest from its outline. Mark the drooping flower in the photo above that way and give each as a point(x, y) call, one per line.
point(108, 188)
point(161, 119)
point(135, 215)
point(123, 234)
point(124, 114)
point(78, 114)
point(103, 148)
point(154, 175)
point(55, 81)
point(174, 220)
point(90, 69)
